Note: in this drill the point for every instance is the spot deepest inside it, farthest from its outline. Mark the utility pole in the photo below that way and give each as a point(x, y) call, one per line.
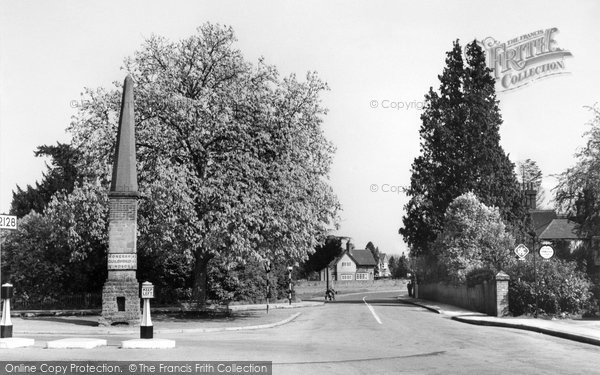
point(6, 222)
point(535, 279)
point(290, 284)
point(267, 265)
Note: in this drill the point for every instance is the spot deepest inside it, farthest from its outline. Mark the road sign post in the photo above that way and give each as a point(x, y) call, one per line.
point(267, 266)
point(146, 327)
point(290, 284)
point(6, 222)
point(535, 278)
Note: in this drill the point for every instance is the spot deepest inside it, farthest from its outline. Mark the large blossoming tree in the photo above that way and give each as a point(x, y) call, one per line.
point(232, 160)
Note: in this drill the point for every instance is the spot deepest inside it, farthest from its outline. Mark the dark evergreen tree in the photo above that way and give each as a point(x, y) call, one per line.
point(460, 151)
point(322, 256)
point(61, 175)
point(402, 267)
point(376, 255)
point(392, 264)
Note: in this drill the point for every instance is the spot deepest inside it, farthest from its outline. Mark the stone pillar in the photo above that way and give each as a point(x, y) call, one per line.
point(120, 295)
point(502, 280)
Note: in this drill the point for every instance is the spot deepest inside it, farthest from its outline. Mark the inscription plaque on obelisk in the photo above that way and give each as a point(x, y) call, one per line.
point(120, 295)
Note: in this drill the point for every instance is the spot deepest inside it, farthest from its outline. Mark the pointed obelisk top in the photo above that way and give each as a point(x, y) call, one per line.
point(124, 176)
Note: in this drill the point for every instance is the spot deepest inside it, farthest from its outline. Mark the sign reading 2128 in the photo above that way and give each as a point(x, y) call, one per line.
point(8, 222)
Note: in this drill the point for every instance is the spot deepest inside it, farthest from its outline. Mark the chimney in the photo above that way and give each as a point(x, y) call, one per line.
point(529, 195)
point(349, 245)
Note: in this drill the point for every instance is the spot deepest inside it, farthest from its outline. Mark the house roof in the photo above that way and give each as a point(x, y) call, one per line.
point(363, 257)
point(549, 226)
point(541, 219)
point(563, 229)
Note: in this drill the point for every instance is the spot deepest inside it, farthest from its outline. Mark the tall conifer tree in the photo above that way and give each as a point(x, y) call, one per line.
point(460, 151)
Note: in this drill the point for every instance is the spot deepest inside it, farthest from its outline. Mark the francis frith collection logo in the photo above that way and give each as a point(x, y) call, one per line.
point(525, 59)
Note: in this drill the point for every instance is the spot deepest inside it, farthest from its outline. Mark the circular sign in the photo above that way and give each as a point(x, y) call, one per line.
point(521, 251)
point(546, 252)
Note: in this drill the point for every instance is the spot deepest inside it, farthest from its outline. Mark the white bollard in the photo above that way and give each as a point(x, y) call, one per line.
point(146, 327)
point(6, 327)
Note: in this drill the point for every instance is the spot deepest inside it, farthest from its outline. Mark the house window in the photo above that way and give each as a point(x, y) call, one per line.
point(362, 276)
point(345, 277)
point(346, 264)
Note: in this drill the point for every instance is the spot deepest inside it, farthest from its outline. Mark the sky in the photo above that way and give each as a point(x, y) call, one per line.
point(373, 54)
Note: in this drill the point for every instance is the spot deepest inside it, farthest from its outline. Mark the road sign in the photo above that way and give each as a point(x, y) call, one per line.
point(8, 222)
point(546, 251)
point(521, 251)
point(147, 290)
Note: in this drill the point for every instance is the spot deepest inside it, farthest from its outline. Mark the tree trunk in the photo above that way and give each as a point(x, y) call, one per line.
point(200, 288)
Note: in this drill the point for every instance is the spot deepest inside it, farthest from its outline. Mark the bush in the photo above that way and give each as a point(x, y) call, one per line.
point(478, 276)
point(473, 237)
point(562, 288)
point(246, 282)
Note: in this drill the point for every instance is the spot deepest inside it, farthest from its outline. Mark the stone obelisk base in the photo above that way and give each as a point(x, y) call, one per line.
point(120, 302)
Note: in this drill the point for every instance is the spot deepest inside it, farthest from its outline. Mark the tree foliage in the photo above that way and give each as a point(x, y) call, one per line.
point(561, 288)
point(578, 191)
point(474, 237)
point(323, 255)
point(232, 160)
point(61, 175)
point(376, 255)
point(63, 250)
point(460, 151)
point(399, 266)
point(528, 172)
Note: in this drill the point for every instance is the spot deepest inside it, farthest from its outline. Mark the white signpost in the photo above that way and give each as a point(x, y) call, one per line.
point(6, 222)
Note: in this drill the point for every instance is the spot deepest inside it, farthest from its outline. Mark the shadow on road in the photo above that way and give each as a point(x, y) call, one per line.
point(75, 321)
point(92, 321)
point(378, 302)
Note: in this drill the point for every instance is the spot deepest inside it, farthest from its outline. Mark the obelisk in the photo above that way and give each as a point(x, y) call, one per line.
point(120, 295)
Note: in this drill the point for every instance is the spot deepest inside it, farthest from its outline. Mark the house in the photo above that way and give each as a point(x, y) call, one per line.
point(550, 227)
point(351, 265)
point(383, 267)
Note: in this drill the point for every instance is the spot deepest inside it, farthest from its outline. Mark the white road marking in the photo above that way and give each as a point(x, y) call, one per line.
point(372, 310)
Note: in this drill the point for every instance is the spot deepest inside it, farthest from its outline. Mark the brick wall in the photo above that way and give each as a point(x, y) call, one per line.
point(490, 297)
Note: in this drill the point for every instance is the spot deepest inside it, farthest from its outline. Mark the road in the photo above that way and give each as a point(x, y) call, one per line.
point(363, 334)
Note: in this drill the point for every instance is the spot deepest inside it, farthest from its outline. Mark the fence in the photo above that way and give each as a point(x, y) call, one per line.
point(81, 301)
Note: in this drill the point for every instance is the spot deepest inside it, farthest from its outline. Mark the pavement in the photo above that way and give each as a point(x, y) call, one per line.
point(580, 330)
point(243, 317)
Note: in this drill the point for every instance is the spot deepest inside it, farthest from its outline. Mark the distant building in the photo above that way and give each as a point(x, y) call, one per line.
point(383, 266)
point(549, 226)
point(351, 265)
